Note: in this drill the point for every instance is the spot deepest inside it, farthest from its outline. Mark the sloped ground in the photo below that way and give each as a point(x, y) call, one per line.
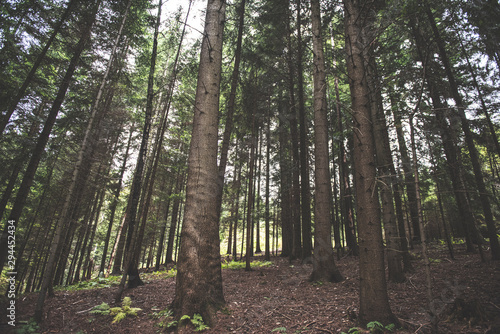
point(280, 298)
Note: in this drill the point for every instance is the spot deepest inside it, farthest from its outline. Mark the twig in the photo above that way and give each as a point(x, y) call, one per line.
point(85, 310)
point(309, 324)
point(323, 330)
point(495, 305)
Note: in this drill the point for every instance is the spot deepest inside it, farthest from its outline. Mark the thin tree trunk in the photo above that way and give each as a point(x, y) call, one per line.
point(267, 254)
point(285, 187)
point(428, 279)
point(305, 188)
point(114, 204)
point(251, 196)
point(231, 106)
point(131, 264)
point(296, 250)
point(175, 216)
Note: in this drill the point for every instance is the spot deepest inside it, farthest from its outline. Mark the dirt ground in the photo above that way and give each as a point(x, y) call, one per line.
point(280, 299)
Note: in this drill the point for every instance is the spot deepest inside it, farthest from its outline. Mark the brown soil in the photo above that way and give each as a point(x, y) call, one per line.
point(280, 295)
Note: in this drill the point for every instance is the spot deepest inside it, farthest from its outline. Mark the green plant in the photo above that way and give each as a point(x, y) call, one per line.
point(377, 327)
point(235, 265)
point(196, 321)
point(119, 313)
point(29, 326)
point(353, 330)
point(279, 329)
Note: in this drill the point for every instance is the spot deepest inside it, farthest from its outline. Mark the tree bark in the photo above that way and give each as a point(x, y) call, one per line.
point(324, 268)
point(374, 301)
point(199, 277)
point(305, 188)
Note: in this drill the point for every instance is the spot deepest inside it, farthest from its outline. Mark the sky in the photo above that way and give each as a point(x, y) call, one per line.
point(196, 16)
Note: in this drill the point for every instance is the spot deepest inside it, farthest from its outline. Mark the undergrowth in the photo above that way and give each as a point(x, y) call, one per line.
point(119, 313)
point(235, 265)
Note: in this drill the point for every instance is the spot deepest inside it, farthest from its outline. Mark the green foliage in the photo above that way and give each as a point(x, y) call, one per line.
point(119, 313)
point(373, 327)
point(279, 330)
point(28, 327)
point(102, 309)
point(198, 323)
point(162, 274)
point(235, 265)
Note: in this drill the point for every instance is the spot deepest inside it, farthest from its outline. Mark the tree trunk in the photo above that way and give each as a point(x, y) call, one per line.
point(386, 173)
point(305, 188)
point(199, 277)
point(267, 254)
point(296, 250)
point(130, 266)
point(374, 301)
point(251, 196)
point(175, 216)
point(114, 202)
point(231, 106)
point(324, 268)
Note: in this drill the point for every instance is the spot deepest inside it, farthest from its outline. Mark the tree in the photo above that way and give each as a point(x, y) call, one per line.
point(199, 277)
point(374, 302)
point(324, 268)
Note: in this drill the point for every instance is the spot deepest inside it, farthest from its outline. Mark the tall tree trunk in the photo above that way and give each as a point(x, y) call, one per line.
point(428, 279)
point(175, 216)
point(296, 251)
point(251, 196)
point(474, 156)
point(114, 202)
point(231, 106)
point(285, 185)
point(305, 188)
point(267, 254)
point(29, 174)
point(346, 205)
point(199, 277)
point(374, 301)
point(131, 264)
point(324, 268)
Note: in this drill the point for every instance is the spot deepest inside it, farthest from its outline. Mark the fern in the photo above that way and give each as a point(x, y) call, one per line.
point(119, 313)
point(102, 309)
point(198, 323)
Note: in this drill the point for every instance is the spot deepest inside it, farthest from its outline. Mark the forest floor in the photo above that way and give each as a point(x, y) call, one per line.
point(278, 298)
